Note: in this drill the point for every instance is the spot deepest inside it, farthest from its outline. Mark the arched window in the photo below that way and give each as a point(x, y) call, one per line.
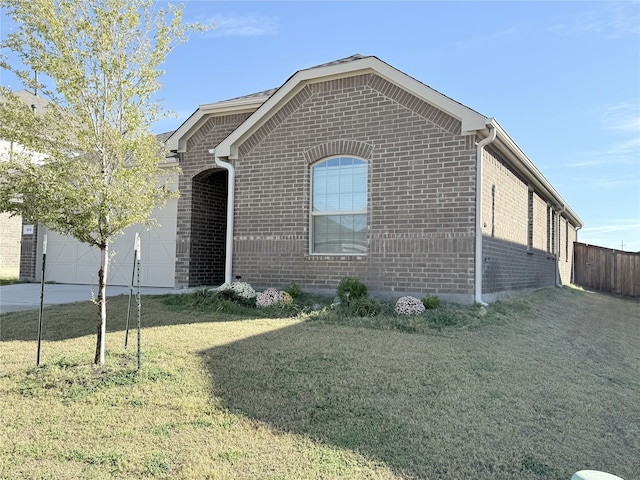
point(339, 206)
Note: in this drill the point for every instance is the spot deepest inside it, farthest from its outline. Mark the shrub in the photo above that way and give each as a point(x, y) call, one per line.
point(241, 289)
point(228, 294)
point(365, 307)
point(236, 292)
point(294, 290)
point(430, 302)
point(269, 297)
point(449, 317)
point(409, 306)
point(286, 298)
point(244, 290)
point(350, 289)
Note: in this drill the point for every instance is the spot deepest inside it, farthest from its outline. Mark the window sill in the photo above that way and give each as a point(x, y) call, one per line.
point(336, 256)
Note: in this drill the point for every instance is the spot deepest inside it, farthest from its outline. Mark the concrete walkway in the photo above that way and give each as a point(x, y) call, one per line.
point(26, 296)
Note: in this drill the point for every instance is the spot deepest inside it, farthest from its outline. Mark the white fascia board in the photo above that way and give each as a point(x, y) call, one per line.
point(530, 172)
point(168, 162)
point(471, 121)
point(178, 140)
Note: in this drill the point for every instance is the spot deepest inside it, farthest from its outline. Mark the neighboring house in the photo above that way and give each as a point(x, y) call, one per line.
point(353, 168)
point(70, 261)
point(11, 231)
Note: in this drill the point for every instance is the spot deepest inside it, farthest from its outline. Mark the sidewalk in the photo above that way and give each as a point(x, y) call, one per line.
point(26, 296)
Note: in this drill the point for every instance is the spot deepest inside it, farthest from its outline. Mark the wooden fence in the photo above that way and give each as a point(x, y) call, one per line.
point(606, 270)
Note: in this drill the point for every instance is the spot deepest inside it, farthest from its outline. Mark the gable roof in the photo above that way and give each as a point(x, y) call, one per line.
point(269, 101)
point(34, 101)
point(177, 141)
point(263, 105)
point(356, 65)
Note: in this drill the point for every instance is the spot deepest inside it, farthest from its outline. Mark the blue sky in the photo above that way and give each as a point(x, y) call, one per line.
point(562, 78)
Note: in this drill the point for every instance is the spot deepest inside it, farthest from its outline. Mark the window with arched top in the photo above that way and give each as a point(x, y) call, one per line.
point(339, 206)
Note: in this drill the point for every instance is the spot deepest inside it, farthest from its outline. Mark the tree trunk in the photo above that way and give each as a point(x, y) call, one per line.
point(102, 305)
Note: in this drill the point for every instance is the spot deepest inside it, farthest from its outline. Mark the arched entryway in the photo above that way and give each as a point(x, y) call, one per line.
point(208, 227)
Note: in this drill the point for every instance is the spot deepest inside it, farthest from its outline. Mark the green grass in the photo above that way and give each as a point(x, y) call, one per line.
point(536, 387)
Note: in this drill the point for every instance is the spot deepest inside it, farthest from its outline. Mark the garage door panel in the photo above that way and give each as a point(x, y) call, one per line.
point(69, 261)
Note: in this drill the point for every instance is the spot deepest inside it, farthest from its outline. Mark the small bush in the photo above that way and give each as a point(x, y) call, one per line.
point(351, 289)
point(365, 307)
point(269, 297)
point(409, 306)
point(224, 296)
point(228, 294)
point(286, 298)
point(294, 290)
point(241, 289)
point(448, 317)
point(430, 302)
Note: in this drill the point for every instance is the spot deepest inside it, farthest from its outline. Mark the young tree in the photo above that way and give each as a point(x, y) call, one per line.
point(99, 169)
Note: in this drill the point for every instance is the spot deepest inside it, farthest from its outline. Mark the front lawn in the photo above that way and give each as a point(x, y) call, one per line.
point(536, 387)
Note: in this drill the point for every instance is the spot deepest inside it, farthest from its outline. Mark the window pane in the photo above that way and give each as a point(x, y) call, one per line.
point(340, 185)
point(359, 201)
point(340, 233)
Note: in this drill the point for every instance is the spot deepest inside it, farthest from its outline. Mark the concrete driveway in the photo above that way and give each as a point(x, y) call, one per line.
point(26, 296)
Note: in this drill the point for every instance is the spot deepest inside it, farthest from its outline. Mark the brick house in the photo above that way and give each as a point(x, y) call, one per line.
point(13, 238)
point(353, 168)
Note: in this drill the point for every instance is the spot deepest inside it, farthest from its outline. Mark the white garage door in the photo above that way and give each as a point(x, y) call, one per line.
point(69, 261)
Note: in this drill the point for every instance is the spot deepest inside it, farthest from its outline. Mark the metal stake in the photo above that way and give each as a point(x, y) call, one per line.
point(138, 297)
point(133, 277)
point(44, 261)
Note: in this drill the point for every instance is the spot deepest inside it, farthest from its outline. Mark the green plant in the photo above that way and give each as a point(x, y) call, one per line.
point(294, 290)
point(229, 294)
point(430, 301)
point(242, 289)
point(446, 317)
point(286, 298)
point(365, 307)
point(409, 305)
point(350, 289)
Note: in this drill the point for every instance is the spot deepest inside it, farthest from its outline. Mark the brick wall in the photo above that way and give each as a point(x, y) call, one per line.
point(197, 162)
point(28, 254)
point(421, 191)
point(208, 228)
point(505, 200)
point(509, 262)
point(10, 235)
point(539, 223)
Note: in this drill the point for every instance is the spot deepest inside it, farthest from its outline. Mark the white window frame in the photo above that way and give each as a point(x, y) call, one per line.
point(313, 215)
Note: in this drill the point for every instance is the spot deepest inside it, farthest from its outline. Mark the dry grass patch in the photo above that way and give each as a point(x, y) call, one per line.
point(540, 387)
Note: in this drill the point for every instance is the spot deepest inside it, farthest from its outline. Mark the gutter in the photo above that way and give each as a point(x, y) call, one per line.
point(478, 247)
point(231, 182)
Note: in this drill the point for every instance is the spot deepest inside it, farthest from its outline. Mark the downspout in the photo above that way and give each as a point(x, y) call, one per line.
point(231, 182)
point(558, 242)
point(478, 266)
